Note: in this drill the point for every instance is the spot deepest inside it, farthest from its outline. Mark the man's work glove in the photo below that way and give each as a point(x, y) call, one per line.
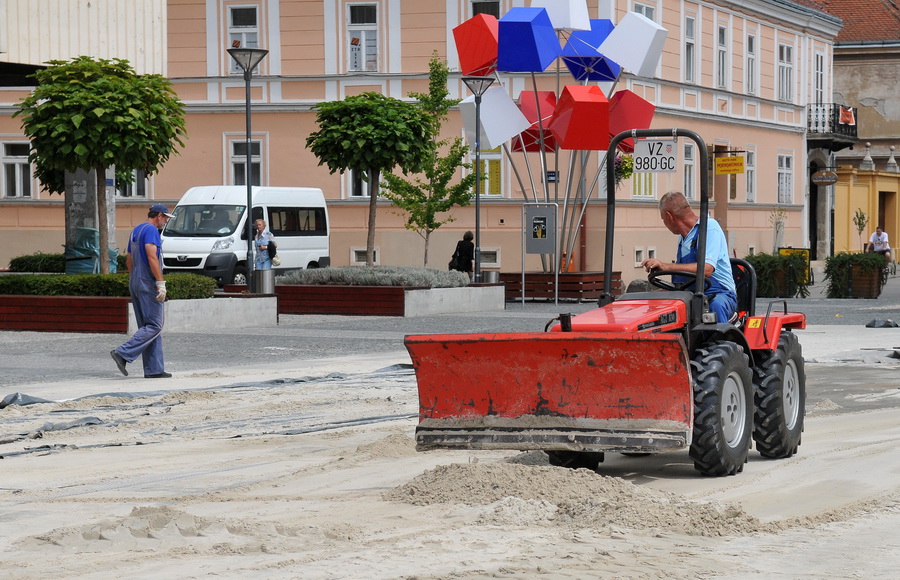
point(160, 291)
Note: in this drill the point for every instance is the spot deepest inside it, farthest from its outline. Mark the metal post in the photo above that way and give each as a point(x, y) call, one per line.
point(248, 59)
point(247, 173)
point(477, 188)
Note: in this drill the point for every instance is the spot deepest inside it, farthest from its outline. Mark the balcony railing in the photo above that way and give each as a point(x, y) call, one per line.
point(832, 119)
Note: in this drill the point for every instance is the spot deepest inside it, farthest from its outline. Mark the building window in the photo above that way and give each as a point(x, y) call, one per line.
point(819, 79)
point(689, 56)
point(239, 162)
point(243, 31)
point(137, 187)
point(648, 11)
point(785, 73)
point(642, 185)
point(785, 179)
point(490, 8)
point(17, 181)
point(362, 33)
point(491, 169)
point(722, 58)
point(750, 174)
point(689, 179)
point(359, 184)
point(751, 65)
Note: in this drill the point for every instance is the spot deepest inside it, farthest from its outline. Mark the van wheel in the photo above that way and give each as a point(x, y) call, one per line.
point(240, 275)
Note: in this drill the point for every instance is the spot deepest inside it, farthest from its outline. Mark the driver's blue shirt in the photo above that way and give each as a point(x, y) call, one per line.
point(722, 279)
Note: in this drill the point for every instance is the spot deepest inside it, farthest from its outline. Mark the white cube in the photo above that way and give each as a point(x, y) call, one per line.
point(636, 43)
point(566, 14)
point(501, 119)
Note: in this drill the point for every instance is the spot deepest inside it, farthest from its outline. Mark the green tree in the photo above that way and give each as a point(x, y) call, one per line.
point(435, 192)
point(860, 220)
point(93, 114)
point(370, 134)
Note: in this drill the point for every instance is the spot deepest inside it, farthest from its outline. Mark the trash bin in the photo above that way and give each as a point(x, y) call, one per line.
point(490, 276)
point(264, 281)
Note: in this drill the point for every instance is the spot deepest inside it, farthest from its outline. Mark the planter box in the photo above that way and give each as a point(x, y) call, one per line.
point(581, 286)
point(864, 284)
point(104, 315)
point(94, 314)
point(385, 300)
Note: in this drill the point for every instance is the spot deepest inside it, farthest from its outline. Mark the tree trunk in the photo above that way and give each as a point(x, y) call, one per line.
point(373, 208)
point(102, 222)
point(427, 238)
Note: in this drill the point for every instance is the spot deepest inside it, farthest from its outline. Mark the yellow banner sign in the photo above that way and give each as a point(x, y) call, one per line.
point(729, 165)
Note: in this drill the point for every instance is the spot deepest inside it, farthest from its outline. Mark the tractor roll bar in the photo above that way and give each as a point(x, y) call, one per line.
point(607, 296)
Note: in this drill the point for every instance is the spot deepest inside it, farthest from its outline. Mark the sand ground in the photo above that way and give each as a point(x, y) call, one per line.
point(310, 471)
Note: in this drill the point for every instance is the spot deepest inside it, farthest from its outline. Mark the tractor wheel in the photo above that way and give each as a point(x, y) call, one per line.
point(576, 459)
point(780, 382)
point(723, 409)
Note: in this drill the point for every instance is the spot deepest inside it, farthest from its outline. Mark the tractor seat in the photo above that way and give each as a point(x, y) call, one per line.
point(745, 285)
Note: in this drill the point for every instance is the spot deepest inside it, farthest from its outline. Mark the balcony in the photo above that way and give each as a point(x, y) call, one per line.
point(831, 126)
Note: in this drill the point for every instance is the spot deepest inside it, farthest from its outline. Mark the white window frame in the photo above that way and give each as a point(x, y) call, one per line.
point(750, 174)
point(785, 178)
point(490, 158)
point(138, 187)
point(235, 160)
point(690, 53)
point(690, 175)
point(17, 172)
point(363, 40)
point(751, 64)
point(245, 36)
point(785, 58)
point(645, 10)
point(722, 67)
point(357, 187)
point(643, 185)
point(819, 78)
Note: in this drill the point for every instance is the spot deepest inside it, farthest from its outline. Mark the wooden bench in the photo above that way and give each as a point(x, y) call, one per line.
point(581, 286)
point(346, 300)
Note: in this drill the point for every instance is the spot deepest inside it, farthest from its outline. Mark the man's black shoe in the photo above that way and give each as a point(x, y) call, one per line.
point(162, 375)
point(120, 362)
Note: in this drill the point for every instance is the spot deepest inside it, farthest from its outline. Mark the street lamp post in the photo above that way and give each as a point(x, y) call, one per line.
point(248, 59)
point(478, 86)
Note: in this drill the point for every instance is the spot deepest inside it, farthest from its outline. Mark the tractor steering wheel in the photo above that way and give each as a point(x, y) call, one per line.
point(654, 278)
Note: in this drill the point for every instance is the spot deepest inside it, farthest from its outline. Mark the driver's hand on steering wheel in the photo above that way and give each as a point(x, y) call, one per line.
point(651, 264)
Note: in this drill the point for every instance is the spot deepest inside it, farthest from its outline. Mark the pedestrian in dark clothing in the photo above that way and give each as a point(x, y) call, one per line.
point(464, 255)
point(148, 294)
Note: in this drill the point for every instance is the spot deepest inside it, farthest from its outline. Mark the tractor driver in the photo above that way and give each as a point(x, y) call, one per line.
point(680, 219)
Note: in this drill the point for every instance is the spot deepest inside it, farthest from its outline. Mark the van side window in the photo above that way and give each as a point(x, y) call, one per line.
point(298, 221)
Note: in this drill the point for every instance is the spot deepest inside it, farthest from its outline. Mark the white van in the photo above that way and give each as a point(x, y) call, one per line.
point(208, 234)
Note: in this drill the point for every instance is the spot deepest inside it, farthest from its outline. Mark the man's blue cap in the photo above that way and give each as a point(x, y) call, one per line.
point(160, 208)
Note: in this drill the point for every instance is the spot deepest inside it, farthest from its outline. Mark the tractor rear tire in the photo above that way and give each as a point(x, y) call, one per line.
point(723, 409)
point(780, 385)
point(576, 459)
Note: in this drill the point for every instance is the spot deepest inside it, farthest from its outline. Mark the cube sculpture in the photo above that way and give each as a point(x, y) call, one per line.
point(476, 45)
point(628, 111)
point(581, 120)
point(636, 43)
point(543, 109)
point(565, 14)
point(583, 59)
point(527, 41)
point(501, 119)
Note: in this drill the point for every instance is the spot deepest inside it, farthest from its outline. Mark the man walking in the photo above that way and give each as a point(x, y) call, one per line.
point(148, 293)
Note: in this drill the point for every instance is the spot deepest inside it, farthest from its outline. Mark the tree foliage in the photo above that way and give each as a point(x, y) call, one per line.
point(440, 187)
point(370, 134)
point(92, 114)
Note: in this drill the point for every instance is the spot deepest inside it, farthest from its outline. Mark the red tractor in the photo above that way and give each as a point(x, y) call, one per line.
point(646, 372)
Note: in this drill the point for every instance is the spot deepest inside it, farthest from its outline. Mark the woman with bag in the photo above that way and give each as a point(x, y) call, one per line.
point(464, 255)
point(265, 246)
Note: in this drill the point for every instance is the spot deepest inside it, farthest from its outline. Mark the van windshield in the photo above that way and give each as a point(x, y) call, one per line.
point(204, 220)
